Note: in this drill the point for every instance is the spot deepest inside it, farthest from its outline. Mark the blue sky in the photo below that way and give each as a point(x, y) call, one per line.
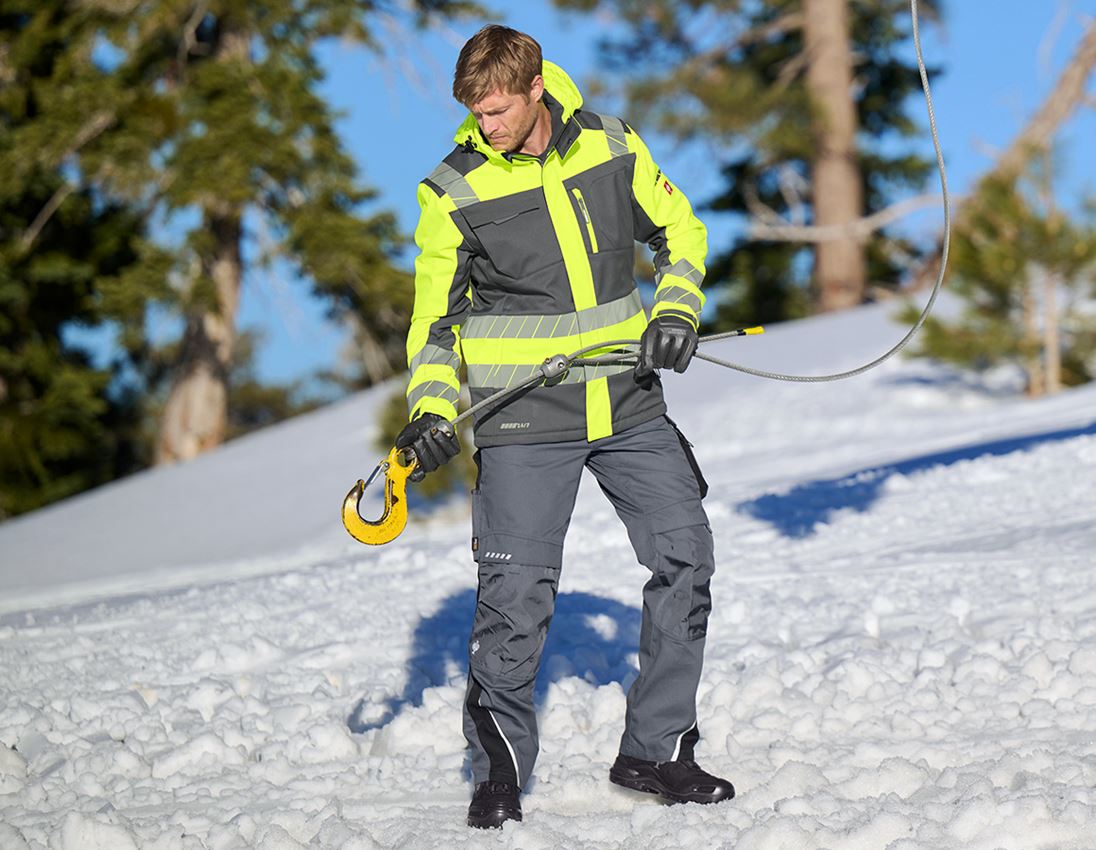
point(1000, 58)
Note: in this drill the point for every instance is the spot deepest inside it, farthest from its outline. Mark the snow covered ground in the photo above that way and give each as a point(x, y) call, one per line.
point(902, 652)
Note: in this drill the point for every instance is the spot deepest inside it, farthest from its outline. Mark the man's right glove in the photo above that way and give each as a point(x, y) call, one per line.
point(432, 439)
point(669, 342)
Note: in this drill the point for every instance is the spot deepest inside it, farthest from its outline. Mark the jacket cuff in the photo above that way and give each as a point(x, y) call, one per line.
point(439, 406)
point(667, 308)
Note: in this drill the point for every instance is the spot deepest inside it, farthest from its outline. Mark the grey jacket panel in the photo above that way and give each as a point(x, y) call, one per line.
point(526, 418)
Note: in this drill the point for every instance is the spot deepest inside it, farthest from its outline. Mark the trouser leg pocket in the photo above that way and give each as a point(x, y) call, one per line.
point(681, 557)
point(513, 610)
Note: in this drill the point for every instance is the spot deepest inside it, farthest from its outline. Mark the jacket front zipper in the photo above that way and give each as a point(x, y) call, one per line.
point(586, 216)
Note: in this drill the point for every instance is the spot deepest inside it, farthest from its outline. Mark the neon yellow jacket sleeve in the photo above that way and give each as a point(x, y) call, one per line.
point(664, 219)
point(442, 272)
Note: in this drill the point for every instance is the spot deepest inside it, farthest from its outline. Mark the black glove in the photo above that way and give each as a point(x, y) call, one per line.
point(432, 439)
point(668, 343)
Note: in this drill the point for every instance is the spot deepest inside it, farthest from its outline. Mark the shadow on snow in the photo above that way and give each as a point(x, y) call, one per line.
point(591, 637)
point(797, 512)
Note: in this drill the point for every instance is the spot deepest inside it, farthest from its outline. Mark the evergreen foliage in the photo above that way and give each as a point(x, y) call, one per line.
point(728, 74)
point(1006, 245)
point(69, 260)
point(63, 427)
point(115, 115)
point(246, 131)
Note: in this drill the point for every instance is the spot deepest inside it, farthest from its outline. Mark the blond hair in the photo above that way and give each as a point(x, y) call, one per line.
point(496, 58)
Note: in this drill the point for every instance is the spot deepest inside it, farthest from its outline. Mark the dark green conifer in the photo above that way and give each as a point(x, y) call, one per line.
point(73, 265)
point(1022, 267)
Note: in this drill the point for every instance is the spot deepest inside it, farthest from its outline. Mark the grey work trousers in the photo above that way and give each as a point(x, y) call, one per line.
point(521, 508)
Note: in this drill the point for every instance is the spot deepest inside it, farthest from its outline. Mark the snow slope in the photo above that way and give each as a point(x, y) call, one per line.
point(901, 656)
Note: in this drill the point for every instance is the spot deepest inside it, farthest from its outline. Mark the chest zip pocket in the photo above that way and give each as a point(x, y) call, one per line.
point(586, 217)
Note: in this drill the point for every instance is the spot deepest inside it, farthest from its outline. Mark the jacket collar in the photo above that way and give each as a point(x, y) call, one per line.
point(561, 97)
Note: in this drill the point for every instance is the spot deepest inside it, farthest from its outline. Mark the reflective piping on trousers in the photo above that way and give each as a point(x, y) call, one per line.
point(677, 746)
point(454, 185)
point(682, 268)
point(550, 326)
point(505, 740)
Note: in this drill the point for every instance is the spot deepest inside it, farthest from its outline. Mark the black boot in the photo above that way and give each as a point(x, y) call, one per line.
point(677, 781)
point(494, 803)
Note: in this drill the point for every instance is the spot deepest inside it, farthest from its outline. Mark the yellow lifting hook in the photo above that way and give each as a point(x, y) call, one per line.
point(396, 471)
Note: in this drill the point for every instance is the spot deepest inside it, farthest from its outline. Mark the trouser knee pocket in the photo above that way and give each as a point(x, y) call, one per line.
point(683, 561)
point(513, 610)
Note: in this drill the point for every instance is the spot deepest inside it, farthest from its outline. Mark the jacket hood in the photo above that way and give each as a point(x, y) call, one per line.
point(556, 83)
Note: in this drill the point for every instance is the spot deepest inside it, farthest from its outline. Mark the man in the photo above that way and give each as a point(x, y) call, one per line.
point(526, 242)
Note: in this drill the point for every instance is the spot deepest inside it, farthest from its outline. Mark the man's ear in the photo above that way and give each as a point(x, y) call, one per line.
point(536, 89)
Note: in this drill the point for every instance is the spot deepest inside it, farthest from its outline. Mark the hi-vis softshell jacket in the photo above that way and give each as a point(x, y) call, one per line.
point(523, 257)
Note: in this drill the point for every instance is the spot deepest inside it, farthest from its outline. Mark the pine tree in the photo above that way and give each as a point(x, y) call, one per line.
point(68, 260)
point(783, 93)
point(229, 135)
point(1013, 254)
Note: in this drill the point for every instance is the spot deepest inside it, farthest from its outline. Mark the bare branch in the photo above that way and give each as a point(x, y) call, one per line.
point(7, 72)
point(190, 35)
point(1046, 44)
point(758, 209)
point(30, 235)
point(790, 70)
point(1063, 100)
point(95, 127)
point(792, 189)
point(784, 231)
point(1066, 96)
point(782, 25)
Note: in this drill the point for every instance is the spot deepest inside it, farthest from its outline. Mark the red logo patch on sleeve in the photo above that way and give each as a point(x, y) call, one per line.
point(669, 189)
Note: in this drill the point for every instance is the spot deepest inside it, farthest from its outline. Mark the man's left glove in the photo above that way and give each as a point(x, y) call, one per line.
point(669, 342)
point(432, 439)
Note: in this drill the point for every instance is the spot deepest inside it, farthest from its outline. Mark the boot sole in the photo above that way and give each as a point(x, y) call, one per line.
point(650, 785)
point(494, 819)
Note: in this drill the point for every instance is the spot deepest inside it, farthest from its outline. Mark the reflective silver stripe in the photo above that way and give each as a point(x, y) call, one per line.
point(678, 295)
point(677, 746)
point(505, 740)
point(435, 354)
point(682, 268)
point(547, 327)
point(498, 377)
point(432, 389)
point(614, 134)
point(454, 185)
point(520, 327)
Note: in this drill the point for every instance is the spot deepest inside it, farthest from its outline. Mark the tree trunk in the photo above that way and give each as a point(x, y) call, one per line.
point(195, 416)
point(1052, 345)
point(840, 271)
point(1036, 386)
